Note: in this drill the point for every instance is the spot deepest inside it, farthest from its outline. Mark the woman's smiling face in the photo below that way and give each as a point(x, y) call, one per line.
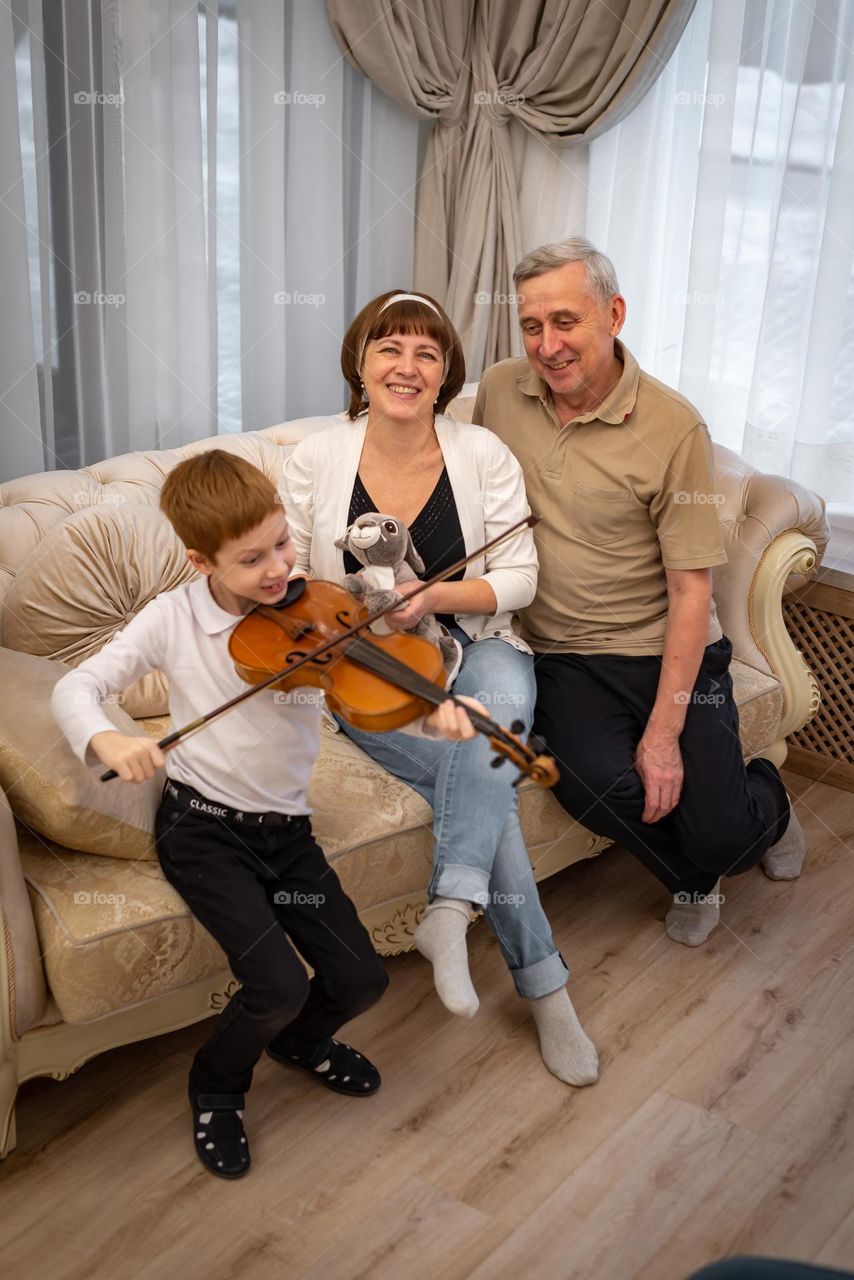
point(403, 374)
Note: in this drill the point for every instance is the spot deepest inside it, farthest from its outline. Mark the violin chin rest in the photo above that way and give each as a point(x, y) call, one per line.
point(296, 587)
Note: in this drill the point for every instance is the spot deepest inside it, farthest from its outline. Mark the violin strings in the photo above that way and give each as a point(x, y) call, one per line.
point(385, 665)
point(389, 667)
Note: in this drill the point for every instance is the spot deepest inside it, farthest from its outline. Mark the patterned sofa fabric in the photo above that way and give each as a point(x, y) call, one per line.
point(115, 933)
point(47, 786)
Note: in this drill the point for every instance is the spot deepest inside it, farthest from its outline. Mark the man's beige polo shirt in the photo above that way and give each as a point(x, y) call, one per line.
point(623, 492)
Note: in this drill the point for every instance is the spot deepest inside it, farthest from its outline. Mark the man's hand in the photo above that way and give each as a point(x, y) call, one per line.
point(134, 759)
point(451, 721)
point(658, 760)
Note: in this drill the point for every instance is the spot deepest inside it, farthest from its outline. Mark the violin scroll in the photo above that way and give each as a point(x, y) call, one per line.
point(530, 759)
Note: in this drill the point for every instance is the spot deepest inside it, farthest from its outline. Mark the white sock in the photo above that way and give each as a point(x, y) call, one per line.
point(689, 921)
point(441, 938)
point(567, 1052)
point(784, 860)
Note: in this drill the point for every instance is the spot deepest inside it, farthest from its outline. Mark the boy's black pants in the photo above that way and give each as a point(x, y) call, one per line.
point(592, 710)
point(249, 885)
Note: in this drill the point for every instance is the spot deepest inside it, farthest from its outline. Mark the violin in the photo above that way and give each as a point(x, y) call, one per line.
point(374, 682)
point(315, 636)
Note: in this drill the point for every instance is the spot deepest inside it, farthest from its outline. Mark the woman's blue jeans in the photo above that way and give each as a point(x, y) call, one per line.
point(479, 852)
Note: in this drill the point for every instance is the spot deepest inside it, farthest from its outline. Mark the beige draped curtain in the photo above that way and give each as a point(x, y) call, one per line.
point(565, 69)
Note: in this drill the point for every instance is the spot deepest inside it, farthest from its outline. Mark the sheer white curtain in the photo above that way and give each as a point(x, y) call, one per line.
point(327, 205)
point(194, 199)
point(727, 203)
point(21, 437)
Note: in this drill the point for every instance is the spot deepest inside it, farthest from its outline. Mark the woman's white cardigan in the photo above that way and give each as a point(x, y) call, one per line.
point(489, 491)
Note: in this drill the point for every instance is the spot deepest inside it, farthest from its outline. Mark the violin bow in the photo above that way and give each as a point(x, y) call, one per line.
point(177, 735)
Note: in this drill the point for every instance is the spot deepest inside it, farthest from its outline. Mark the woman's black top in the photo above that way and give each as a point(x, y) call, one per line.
point(436, 531)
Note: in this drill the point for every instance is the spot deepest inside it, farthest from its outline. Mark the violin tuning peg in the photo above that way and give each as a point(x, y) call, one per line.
point(518, 726)
point(537, 744)
point(497, 762)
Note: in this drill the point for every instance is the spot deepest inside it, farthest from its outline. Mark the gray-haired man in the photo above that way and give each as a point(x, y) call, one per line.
point(633, 686)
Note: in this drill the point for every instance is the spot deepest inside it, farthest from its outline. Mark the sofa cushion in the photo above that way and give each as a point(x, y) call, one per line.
point(86, 579)
point(760, 701)
point(112, 934)
point(47, 786)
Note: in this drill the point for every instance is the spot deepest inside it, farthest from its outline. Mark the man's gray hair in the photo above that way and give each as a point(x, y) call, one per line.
point(601, 275)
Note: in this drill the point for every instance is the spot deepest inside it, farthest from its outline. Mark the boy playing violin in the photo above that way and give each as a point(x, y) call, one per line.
point(233, 832)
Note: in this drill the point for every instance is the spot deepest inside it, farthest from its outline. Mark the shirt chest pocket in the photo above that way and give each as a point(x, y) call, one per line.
point(598, 516)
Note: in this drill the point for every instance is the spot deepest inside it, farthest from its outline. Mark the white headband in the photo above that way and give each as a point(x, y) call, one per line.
point(404, 297)
point(409, 297)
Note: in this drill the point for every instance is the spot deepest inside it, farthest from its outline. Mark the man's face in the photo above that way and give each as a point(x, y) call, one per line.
point(568, 335)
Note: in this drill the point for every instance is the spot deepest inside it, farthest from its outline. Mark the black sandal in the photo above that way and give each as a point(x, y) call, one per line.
point(336, 1065)
point(218, 1133)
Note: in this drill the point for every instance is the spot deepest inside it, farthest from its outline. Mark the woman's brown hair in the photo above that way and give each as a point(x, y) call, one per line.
point(405, 316)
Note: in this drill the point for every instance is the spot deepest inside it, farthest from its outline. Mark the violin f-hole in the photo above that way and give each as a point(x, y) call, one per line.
point(297, 654)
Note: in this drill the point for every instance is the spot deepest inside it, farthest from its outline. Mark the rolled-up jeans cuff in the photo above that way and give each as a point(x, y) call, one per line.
point(456, 880)
point(542, 978)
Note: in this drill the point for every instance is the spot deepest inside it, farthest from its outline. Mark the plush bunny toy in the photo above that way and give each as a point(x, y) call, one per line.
point(384, 546)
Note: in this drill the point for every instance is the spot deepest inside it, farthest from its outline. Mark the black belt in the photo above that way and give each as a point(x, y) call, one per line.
point(193, 801)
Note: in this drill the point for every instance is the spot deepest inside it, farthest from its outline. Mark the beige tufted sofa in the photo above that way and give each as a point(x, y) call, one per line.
point(97, 949)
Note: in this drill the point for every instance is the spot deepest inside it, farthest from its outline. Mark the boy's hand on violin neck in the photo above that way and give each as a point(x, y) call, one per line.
point(451, 720)
point(134, 759)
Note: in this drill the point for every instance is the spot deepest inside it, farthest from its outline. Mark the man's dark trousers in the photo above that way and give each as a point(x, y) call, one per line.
point(250, 886)
point(592, 710)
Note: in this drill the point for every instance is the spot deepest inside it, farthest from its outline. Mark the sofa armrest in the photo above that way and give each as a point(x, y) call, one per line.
point(775, 533)
point(23, 992)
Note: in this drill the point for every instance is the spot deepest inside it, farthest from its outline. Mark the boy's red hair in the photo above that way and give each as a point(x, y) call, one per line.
point(214, 497)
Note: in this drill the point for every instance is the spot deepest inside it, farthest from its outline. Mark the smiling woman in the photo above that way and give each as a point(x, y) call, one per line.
point(378, 330)
point(456, 486)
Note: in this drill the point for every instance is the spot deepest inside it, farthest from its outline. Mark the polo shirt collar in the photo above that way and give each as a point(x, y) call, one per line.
point(207, 613)
point(617, 405)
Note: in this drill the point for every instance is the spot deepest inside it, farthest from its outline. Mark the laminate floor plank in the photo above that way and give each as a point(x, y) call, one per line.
point(721, 1122)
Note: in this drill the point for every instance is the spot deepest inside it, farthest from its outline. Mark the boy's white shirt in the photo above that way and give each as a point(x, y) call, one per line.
point(489, 492)
point(255, 758)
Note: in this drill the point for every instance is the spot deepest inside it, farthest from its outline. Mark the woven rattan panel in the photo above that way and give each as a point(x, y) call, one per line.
point(820, 620)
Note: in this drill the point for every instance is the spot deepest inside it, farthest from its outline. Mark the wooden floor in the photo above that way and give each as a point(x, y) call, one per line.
point(722, 1121)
